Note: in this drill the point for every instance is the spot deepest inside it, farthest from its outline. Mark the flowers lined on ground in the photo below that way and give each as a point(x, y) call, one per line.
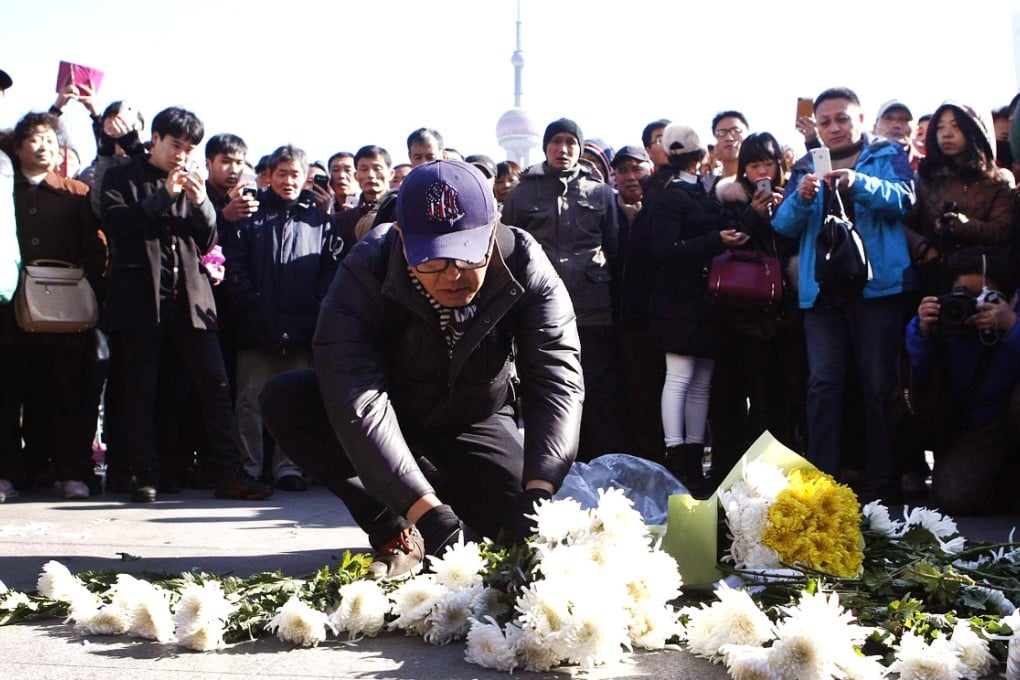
point(528, 606)
point(803, 518)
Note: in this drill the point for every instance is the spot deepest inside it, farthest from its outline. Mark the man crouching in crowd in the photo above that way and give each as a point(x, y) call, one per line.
point(408, 415)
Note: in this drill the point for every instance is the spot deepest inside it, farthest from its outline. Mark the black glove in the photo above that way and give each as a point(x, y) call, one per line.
point(439, 527)
point(525, 505)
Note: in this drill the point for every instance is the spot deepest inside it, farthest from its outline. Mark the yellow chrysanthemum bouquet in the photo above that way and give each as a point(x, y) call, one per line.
point(779, 511)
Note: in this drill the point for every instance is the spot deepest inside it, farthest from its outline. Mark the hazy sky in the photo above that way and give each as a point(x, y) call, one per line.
point(337, 75)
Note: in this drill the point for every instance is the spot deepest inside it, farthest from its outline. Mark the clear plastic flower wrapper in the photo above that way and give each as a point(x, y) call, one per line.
point(648, 485)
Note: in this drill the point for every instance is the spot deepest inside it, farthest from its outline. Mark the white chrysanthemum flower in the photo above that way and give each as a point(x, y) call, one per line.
point(58, 583)
point(748, 662)
point(651, 627)
point(151, 617)
point(615, 514)
point(734, 619)
point(562, 521)
point(939, 525)
point(996, 599)
point(412, 601)
point(747, 516)
point(450, 619)
point(3, 588)
point(972, 650)
point(461, 566)
point(544, 608)
point(535, 653)
point(572, 564)
point(599, 633)
point(362, 611)
point(489, 603)
point(654, 578)
point(104, 621)
point(859, 667)
point(798, 653)
point(953, 546)
point(200, 615)
point(203, 638)
point(820, 614)
point(765, 479)
point(877, 516)
point(14, 599)
point(299, 623)
point(487, 646)
point(917, 660)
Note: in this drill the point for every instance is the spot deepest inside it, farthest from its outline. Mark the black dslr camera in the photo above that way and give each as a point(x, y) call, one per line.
point(959, 304)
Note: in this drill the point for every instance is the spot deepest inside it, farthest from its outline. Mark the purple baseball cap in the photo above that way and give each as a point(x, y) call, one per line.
point(445, 210)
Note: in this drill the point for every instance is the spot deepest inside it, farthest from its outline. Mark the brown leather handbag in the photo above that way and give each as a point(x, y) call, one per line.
point(54, 296)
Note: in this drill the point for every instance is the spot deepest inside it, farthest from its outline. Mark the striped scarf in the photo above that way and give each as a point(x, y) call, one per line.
point(453, 321)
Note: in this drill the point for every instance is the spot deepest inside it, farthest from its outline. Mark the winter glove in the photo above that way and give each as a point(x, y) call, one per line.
point(440, 527)
point(525, 505)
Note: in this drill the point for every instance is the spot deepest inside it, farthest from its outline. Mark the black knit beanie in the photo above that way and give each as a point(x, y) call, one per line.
point(562, 125)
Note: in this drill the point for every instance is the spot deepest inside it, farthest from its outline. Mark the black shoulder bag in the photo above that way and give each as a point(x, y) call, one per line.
point(841, 260)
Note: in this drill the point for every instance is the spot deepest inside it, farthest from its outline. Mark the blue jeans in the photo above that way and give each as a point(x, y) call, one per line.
point(866, 332)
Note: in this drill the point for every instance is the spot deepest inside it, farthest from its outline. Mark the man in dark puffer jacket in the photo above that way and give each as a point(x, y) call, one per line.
point(416, 350)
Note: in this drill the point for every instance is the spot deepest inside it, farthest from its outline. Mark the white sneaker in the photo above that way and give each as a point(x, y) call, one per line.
point(7, 490)
point(74, 489)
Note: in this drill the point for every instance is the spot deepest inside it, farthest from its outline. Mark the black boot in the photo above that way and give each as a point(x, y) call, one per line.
point(685, 462)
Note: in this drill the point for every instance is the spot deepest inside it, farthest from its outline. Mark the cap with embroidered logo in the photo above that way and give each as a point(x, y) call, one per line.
point(445, 210)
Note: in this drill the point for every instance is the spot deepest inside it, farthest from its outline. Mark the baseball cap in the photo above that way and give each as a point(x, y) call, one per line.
point(483, 163)
point(445, 209)
point(678, 139)
point(633, 152)
point(894, 104)
point(5, 80)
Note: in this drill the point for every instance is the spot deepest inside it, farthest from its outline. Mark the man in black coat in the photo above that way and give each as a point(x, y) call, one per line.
point(159, 307)
point(409, 416)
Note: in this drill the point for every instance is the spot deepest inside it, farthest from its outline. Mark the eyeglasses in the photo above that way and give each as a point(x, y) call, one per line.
point(440, 265)
point(736, 131)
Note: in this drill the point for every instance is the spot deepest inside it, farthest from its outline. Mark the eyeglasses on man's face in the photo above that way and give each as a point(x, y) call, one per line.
point(735, 131)
point(440, 265)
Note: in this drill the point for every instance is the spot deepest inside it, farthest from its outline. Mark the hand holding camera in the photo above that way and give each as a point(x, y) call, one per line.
point(960, 311)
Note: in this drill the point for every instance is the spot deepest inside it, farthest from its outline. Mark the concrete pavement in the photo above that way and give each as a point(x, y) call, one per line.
point(296, 533)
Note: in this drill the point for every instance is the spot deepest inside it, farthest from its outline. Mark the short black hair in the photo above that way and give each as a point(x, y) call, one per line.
point(263, 164)
point(373, 151)
point(925, 118)
point(646, 134)
point(425, 136)
point(338, 154)
point(287, 153)
point(30, 121)
point(507, 169)
point(837, 93)
point(115, 108)
point(225, 143)
point(728, 114)
point(320, 165)
point(993, 264)
point(178, 122)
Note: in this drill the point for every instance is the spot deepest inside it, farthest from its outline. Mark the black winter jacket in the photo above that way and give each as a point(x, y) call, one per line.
point(280, 262)
point(685, 224)
point(573, 215)
point(385, 369)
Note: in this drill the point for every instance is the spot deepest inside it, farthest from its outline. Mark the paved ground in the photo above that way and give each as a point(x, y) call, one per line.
point(295, 533)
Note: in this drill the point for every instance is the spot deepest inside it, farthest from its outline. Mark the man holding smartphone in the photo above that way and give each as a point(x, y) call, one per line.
point(160, 312)
point(846, 325)
point(279, 264)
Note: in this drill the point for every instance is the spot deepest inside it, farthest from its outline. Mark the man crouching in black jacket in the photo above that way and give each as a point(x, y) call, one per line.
point(408, 415)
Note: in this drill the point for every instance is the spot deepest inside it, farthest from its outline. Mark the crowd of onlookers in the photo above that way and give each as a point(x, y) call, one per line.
point(210, 279)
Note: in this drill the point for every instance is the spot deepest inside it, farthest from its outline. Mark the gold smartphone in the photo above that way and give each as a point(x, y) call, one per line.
point(805, 107)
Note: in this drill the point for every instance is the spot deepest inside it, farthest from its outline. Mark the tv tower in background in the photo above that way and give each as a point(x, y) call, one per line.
point(515, 131)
